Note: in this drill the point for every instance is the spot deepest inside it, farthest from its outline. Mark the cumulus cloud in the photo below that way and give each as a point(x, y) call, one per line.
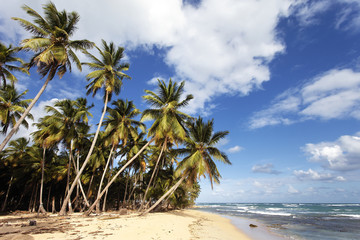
point(341, 155)
point(331, 95)
point(218, 46)
point(312, 175)
point(264, 168)
point(235, 149)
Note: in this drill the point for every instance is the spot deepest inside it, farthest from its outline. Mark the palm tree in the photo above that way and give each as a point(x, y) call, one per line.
point(52, 46)
point(168, 123)
point(12, 106)
point(66, 117)
point(120, 125)
point(168, 127)
point(15, 152)
point(199, 152)
point(7, 56)
point(108, 75)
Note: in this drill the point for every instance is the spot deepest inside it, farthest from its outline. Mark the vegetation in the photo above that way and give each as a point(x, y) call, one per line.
point(64, 167)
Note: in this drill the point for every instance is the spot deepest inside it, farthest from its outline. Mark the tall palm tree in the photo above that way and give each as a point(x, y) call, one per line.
point(12, 106)
point(66, 117)
point(108, 75)
point(7, 57)
point(119, 126)
point(168, 123)
point(52, 46)
point(200, 150)
point(168, 127)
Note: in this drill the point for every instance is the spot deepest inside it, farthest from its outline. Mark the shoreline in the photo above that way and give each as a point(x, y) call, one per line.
point(186, 224)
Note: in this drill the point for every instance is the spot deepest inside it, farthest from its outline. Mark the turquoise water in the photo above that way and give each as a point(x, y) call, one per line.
point(325, 221)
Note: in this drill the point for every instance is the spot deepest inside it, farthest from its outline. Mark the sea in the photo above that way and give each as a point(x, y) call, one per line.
point(323, 221)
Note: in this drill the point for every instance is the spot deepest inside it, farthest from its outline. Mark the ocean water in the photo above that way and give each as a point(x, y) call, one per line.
point(325, 221)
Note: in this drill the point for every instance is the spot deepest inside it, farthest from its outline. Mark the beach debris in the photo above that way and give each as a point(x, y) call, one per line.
point(252, 225)
point(32, 223)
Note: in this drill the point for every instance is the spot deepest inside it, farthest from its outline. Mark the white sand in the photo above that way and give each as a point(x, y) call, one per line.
point(176, 225)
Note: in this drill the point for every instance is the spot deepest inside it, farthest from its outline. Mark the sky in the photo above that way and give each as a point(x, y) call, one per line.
point(282, 76)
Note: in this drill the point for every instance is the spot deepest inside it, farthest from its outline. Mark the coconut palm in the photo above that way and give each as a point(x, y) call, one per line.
point(169, 121)
point(119, 126)
point(66, 117)
point(12, 106)
point(52, 46)
point(108, 75)
point(7, 58)
point(200, 150)
point(168, 127)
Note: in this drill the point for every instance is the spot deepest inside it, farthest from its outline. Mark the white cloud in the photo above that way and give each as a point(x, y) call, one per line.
point(264, 168)
point(341, 155)
point(312, 175)
point(333, 94)
point(307, 11)
point(347, 13)
point(218, 47)
point(235, 149)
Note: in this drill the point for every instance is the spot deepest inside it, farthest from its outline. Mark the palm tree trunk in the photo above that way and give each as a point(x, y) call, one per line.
point(7, 195)
point(41, 206)
point(63, 208)
point(152, 176)
point(26, 112)
point(165, 195)
point(79, 182)
point(126, 189)
point(104, 203)
point(102, 178)
point(67, 184)
point(116, 175)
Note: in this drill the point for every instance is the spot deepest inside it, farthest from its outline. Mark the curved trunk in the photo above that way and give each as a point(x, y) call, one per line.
point(26, 112)
point(102, 179)
point(171, 190)
point(152, 176)
point(63, 208)
point(79, 182)
point(116, 175)
point(41, 206)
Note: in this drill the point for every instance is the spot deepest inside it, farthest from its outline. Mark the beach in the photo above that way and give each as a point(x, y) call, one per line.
point(180, 224)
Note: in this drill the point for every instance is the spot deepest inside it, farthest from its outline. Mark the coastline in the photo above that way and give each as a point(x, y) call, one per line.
point(186, 224)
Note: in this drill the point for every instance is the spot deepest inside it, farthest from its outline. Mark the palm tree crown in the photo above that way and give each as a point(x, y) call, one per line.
point(200, 150)
point(51, 40)
point(169, 121)
point(11, 107)
point(108, 70)
point(7, 56)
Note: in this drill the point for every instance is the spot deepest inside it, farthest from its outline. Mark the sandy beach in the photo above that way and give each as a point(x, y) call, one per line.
point(175, 225)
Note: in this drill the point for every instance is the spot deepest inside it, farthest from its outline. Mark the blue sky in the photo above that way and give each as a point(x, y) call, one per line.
point(282, 76)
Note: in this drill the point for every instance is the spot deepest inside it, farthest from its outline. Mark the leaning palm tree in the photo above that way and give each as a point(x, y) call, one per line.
point(168, 127)
point(108, 75)
point(199, 152)
point(66, 117)
point(52, 46)
point(7, 58)
point(11, 107)
point(119, 127)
